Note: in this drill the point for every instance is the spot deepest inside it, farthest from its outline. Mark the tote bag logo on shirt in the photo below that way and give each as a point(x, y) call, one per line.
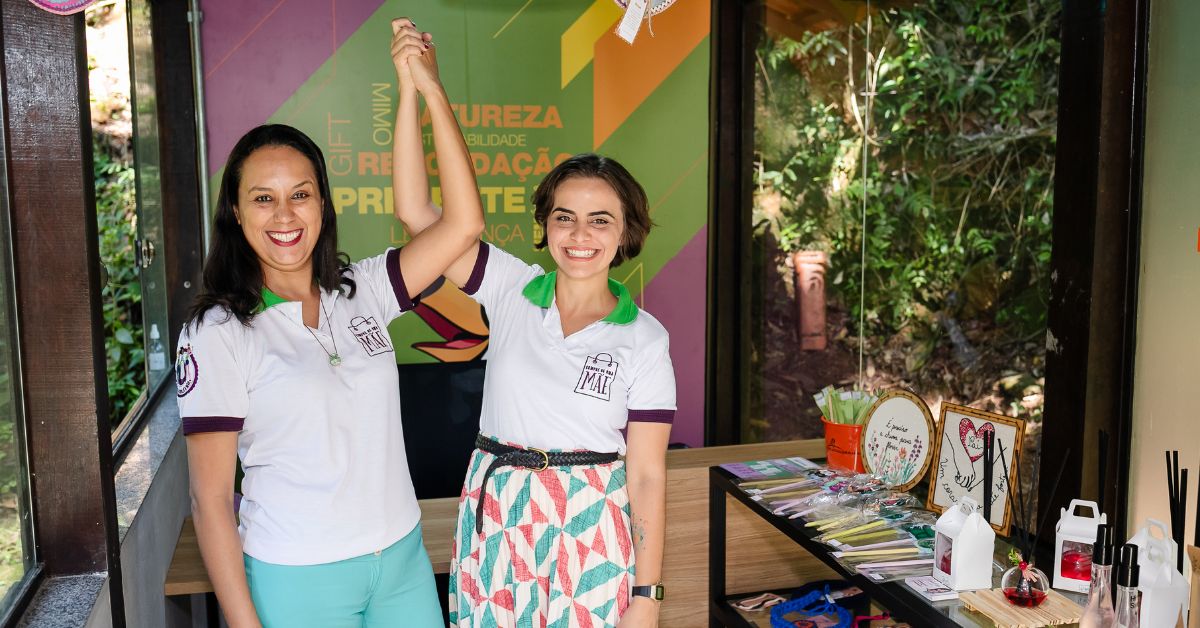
point(596, 379)
point(368, 333)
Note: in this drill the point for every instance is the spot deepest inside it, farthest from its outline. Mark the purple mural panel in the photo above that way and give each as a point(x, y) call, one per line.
point(676, 296)
point(252, 63)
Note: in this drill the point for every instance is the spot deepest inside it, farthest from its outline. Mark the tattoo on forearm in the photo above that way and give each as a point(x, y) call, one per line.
point(638, 527)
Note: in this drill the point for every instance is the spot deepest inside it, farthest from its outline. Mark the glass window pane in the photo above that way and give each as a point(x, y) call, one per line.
point(128, 200)
point(956, 103)
point(116, 203)
point(16, 533)
point(152, 264)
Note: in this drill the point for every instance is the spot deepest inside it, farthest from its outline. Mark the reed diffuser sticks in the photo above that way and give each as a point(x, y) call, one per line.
point(1029, 530)
point(989, 461)
point(1196, 540)
point(1177, 484)
point(1050, 507)
point(1103, 470)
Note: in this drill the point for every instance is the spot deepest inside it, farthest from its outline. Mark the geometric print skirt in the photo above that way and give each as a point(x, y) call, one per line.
point(555, 551)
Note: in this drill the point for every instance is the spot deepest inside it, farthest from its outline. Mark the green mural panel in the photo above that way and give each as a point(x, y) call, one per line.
point(501, 68)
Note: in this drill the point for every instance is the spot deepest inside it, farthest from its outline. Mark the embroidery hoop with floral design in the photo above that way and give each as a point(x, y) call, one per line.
point(897, 439)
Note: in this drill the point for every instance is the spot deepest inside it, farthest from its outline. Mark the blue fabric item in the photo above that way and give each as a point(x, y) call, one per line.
point(393, 587)
point(814, 603)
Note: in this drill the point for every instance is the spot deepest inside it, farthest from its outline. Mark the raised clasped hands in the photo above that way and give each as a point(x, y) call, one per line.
point(964, 468)
point(966, 481)
point(414, 58)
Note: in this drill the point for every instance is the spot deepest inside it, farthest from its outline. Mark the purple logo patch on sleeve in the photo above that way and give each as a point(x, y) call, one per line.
point(187, 371)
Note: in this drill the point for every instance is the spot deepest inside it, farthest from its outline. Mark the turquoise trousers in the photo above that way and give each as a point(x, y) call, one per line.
point(391, 587)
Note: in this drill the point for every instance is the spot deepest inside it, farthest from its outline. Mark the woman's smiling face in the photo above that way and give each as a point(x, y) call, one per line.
point(584, 229)
point(279, 208)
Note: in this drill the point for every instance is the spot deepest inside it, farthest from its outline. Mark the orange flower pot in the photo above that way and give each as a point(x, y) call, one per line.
point(842, 445)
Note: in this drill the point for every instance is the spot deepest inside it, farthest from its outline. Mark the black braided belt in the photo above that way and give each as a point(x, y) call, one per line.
point(532, 459)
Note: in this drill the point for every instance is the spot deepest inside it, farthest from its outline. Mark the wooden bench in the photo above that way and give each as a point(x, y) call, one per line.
point(759, 557)
point(187, 576)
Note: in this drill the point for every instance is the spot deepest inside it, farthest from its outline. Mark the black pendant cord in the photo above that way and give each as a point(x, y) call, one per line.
point(335, 358)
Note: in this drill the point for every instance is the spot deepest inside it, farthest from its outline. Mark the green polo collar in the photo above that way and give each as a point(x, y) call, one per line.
point(540, 292)
point(269, 300)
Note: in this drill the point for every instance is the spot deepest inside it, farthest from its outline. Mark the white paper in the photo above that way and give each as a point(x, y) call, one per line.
point(632, 22)
point(931, 588)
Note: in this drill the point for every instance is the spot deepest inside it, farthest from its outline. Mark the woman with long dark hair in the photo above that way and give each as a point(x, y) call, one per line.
point(286, 365)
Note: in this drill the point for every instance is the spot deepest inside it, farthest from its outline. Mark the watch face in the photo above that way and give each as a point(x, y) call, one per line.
point(654, 592)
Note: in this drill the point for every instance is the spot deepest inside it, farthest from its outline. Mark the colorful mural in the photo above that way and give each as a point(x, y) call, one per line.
point(532, 82)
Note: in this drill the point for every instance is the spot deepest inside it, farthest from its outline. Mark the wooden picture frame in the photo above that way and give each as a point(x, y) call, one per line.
point(897, 440)
point(957, 460)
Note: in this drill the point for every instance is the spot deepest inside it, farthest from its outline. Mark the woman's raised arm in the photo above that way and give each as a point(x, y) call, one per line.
point(442, 244)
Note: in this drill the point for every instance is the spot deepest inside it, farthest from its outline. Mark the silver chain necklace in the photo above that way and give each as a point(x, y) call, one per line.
point(334, 358)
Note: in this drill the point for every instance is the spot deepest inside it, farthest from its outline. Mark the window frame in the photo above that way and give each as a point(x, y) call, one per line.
point(1102, 78)
point(51, 191)
point(19, 593)
point(734, 33)
point(179, 183)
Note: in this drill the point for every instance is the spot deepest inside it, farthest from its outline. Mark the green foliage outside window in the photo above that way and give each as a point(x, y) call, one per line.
point(116, 218)
point(12, 566)
point(959, 99)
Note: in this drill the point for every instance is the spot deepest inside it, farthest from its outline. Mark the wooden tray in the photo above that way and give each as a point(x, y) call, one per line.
point(1055, 611)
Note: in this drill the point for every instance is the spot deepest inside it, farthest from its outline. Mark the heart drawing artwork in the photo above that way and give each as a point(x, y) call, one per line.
point(959, 468)
point(972, 437)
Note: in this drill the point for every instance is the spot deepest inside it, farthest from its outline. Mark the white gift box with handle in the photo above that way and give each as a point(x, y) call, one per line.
point(1164, 590)
point(963, 547)
point(1073, 539)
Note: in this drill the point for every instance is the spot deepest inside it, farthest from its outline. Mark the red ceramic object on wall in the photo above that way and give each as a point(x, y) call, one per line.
point(810, 298)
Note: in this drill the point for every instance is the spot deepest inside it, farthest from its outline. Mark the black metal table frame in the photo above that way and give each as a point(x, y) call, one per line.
point(903, 603)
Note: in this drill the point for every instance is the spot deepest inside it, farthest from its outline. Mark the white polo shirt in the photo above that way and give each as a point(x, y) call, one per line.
point(322, 446)
point(546, 391)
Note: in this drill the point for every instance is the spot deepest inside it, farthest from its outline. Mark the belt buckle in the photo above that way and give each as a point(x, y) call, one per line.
point(545, 459)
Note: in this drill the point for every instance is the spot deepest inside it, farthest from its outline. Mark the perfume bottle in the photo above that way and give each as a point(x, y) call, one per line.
point(157, 354)
point(1099, 612)
point(1128, 606)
